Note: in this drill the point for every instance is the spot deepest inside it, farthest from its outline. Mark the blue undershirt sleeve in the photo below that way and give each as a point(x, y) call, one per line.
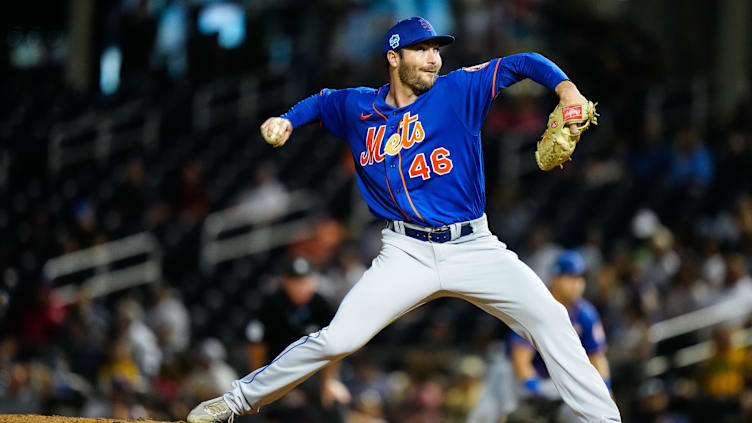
point(327, 106)
point(304, 111)
point(517, 67)
point(477, 86)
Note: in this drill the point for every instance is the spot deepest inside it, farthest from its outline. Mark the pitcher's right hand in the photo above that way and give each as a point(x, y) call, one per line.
point(276, 131)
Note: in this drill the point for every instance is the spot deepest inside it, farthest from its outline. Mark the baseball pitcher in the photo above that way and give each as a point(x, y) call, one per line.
point(417, 149)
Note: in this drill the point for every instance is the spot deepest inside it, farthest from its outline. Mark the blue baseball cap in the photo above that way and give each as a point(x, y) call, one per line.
point(412, 31)
point(569, 262)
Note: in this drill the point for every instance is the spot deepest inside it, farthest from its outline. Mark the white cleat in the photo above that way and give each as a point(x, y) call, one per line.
point(213, 411)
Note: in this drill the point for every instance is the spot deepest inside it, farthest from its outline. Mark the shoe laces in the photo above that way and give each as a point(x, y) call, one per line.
point(218, 408)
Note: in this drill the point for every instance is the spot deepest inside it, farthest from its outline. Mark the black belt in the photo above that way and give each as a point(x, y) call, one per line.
point(439, 236)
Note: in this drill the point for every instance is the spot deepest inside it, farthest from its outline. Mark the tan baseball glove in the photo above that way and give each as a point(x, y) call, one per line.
point(557, 144)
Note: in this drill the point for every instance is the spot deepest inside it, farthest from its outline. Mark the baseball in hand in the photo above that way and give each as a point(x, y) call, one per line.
point(276, 131)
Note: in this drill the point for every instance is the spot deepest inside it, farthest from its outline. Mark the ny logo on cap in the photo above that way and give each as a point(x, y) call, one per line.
point(394, 41)
point(424, 23)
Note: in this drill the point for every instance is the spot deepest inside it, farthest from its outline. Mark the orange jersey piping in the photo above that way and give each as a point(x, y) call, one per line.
point(405, 186)
point(386, 176)
point(493, 86)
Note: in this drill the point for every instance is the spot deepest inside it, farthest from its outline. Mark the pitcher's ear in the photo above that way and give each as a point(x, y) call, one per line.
point(392, 58)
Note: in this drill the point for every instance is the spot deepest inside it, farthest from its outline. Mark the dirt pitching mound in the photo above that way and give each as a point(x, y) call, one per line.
point(30, 418)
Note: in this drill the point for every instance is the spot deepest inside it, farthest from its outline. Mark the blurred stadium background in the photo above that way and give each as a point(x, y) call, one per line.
point(143, 217)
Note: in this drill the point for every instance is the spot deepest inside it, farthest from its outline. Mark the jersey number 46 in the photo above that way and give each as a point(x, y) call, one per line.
point(440, 163)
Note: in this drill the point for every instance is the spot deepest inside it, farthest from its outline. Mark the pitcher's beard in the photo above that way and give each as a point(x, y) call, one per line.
point(410, 77)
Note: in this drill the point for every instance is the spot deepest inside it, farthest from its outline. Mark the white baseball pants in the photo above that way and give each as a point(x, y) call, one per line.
point(503, 392)
point(408, 273)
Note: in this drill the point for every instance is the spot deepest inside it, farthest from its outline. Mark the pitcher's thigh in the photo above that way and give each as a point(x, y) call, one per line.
point(495, 279)
point(395, 284)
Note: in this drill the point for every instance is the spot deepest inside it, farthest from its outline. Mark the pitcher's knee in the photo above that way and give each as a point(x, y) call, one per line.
point(550, 314)
point(558, 313)
point(341, 345)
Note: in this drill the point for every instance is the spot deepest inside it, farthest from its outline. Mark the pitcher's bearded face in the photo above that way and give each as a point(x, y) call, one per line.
point(419, 66)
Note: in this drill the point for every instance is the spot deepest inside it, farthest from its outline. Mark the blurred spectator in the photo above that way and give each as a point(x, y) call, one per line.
point(174, 388)
point(737, 285)
point(369, 387)
point(592, 251)
point(733, 174)
point(630, 344)
point(87, 230)
point(713, 267)
point(17, 393)
point(690, 163)
point(120, 380)
point(120, 373)
point(142, 344)
point(723, 376)
point(296, 310)
point(541, 252)
point(42, 318)
point(739, 282)
point(609, 295)
point(268, 198)
point(743, 218)
point(463, 393)
point(321, 245)
point(644, 223)
point(212, 375)
point(650, 152)
point(170, 321)
point(654, 405)
point(424, 405)
point(687, 291)
point(664, 261)
point(86, 335)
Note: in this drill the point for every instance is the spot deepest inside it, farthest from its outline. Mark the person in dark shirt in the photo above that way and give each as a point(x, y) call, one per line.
point(291, 312)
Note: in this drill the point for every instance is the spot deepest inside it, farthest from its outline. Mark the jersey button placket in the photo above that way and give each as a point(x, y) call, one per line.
point(394, 178)
point(393, 165)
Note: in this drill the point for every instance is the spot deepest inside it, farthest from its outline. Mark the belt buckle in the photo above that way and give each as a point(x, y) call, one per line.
point(431, 229)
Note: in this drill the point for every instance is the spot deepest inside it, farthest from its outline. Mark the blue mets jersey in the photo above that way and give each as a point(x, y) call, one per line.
point(423, 163)
point(587, 324)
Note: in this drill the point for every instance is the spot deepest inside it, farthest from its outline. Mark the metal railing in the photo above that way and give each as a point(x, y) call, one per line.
point(95, 270)
point(251, 233)
point(101, 260)
point(729, 310)
point(693, 354)
point(95, 137)
point(225, 101)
